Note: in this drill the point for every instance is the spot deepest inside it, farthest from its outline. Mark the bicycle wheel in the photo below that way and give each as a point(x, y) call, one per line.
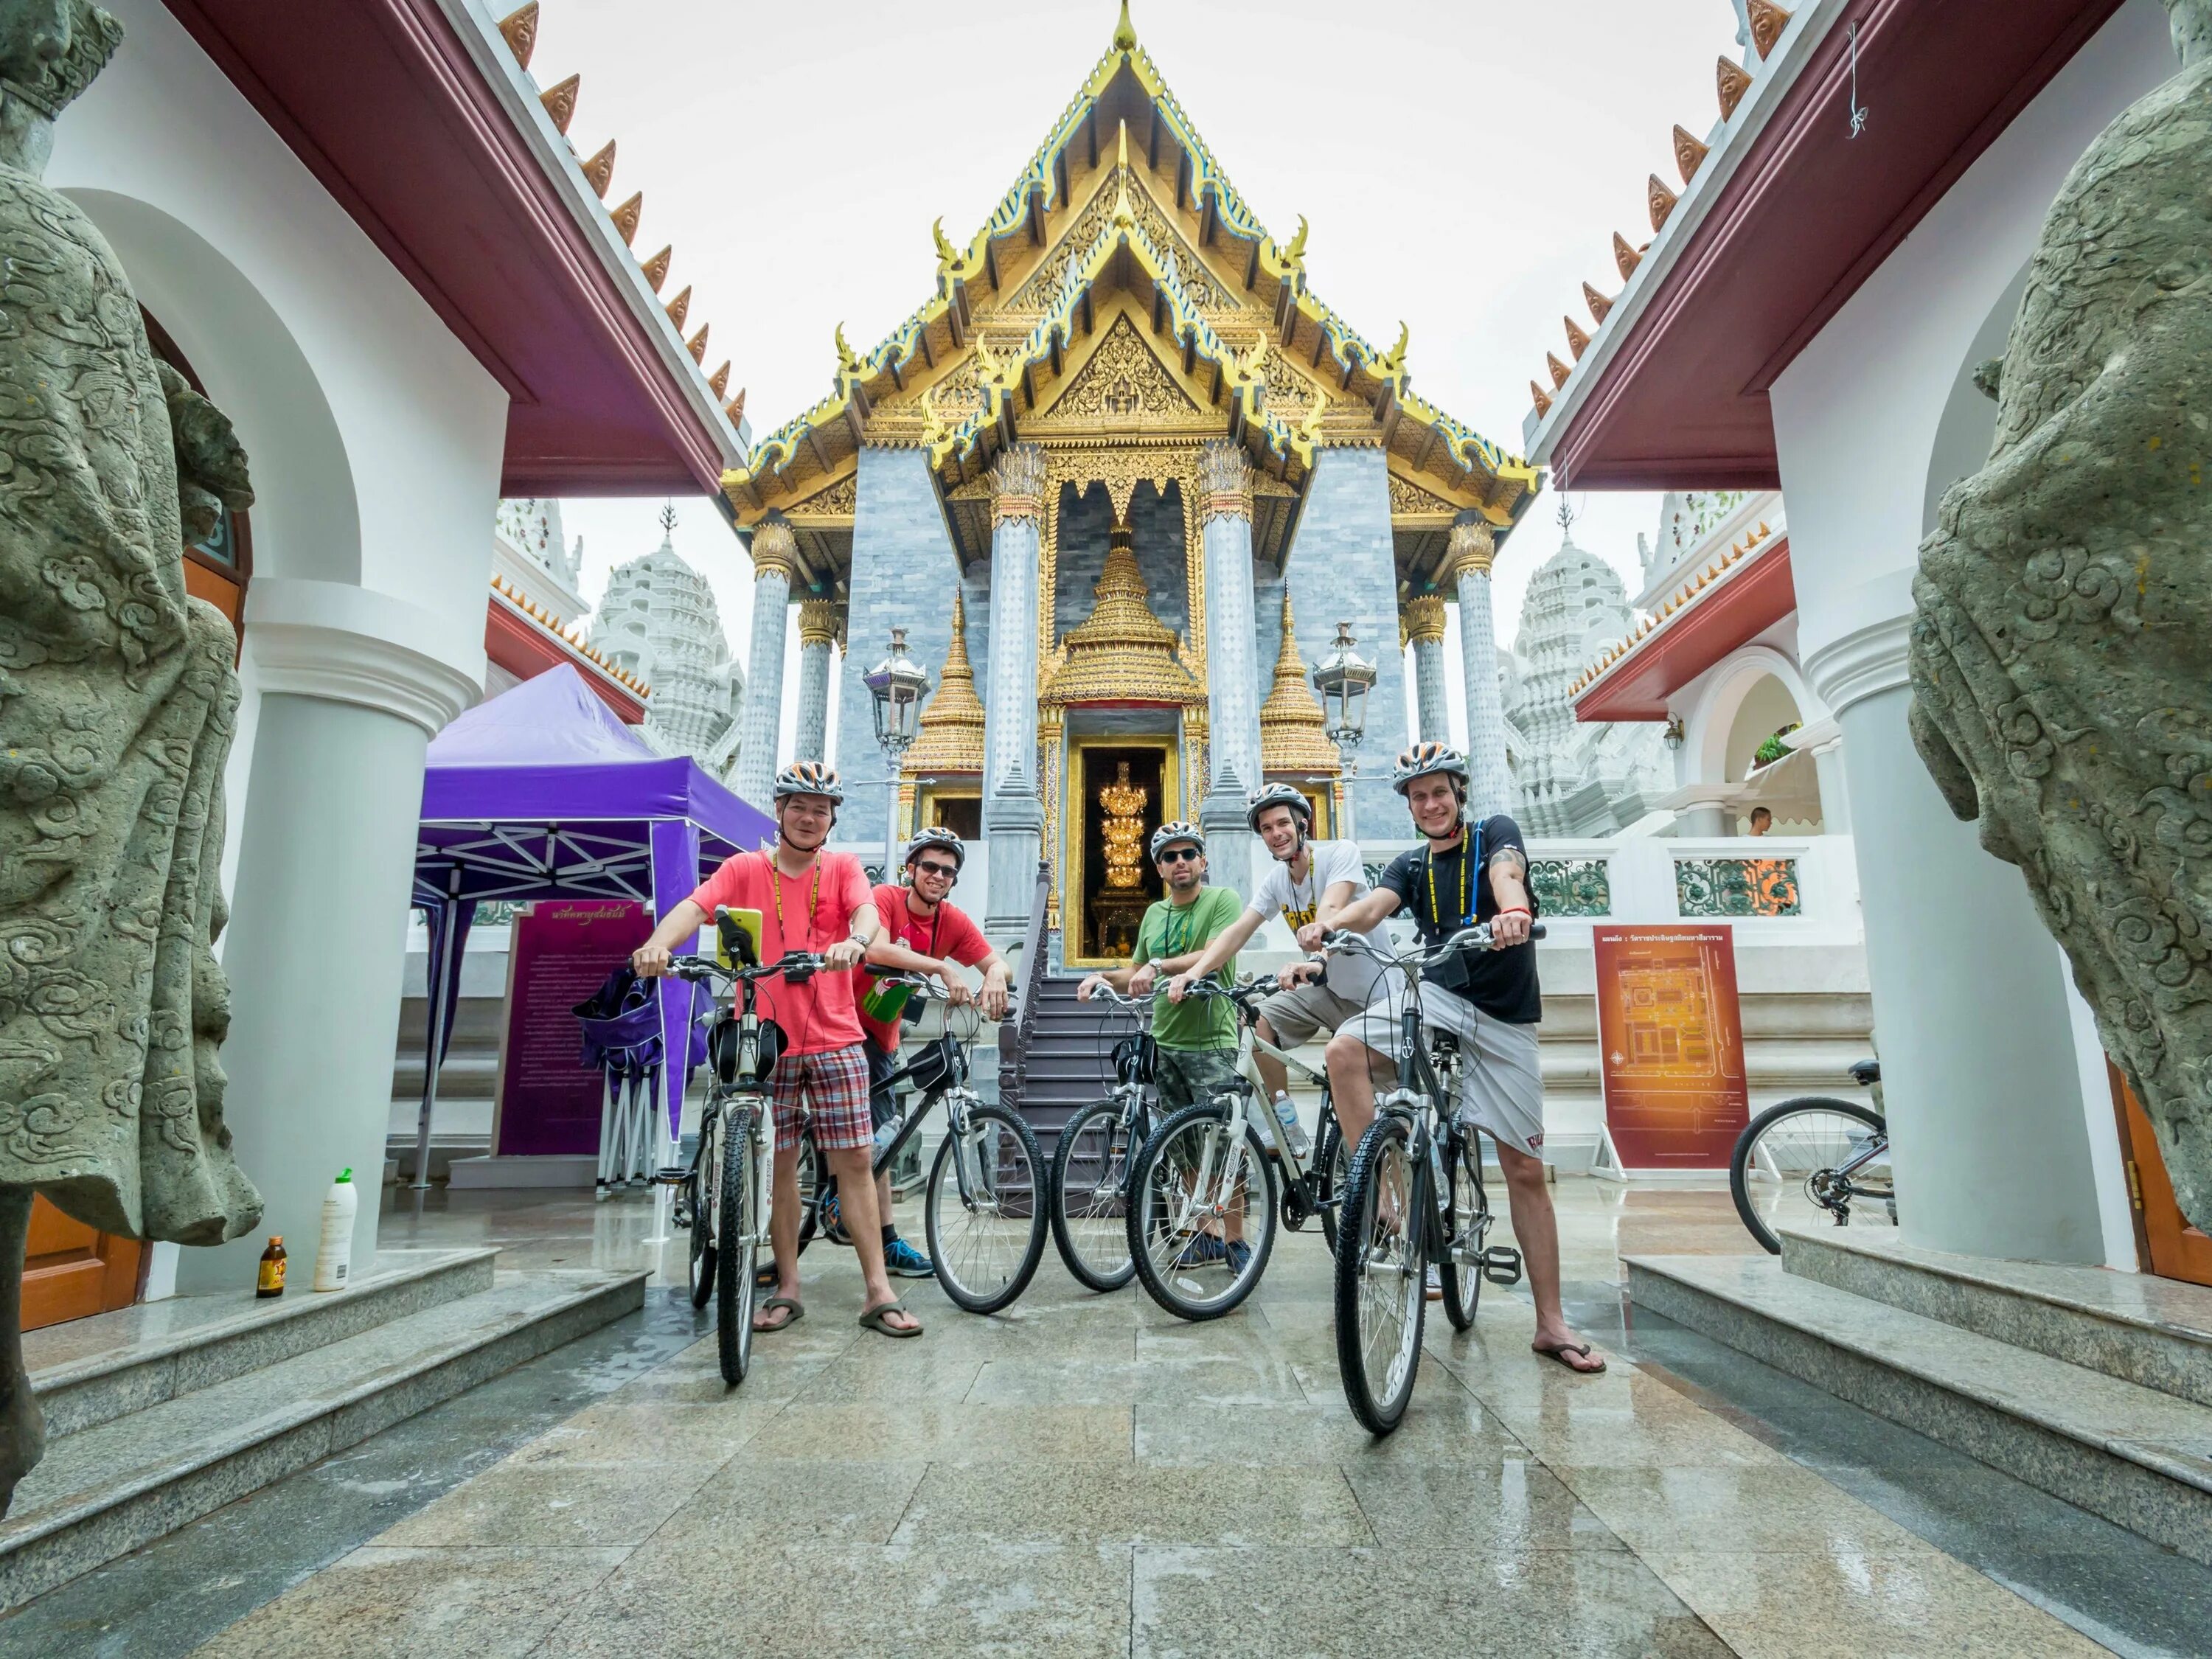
point(1089, 1196)
point(1462, 1271)
point(737, 1247)
point(1784, 1162)
point(986, 1244)
point(1381, 1303)
point(699, 1189)
point(1201, 1177)
point(1331, 1163)
point(813, 1186)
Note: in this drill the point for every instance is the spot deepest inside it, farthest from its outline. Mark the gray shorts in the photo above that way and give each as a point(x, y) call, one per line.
point(1501, 1081)
point(1297, 1015)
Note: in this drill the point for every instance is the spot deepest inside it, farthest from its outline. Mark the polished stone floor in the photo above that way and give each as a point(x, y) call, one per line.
point(1091, 1475)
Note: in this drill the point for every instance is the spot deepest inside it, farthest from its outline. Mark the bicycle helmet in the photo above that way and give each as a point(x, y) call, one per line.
point(1173, 831)
point(1279, 794)
point(808, 778)
point(939, 837)
point(1425, 759)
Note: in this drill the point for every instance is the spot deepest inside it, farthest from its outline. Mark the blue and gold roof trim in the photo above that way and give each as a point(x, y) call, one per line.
point(1157, 220)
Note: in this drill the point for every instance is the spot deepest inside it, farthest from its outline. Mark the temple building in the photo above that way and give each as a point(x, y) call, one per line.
point(1121, 458)
point(658, 620)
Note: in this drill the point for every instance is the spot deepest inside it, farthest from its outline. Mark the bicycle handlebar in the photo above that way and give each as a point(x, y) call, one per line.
point(802, 963)
point(1476, 938)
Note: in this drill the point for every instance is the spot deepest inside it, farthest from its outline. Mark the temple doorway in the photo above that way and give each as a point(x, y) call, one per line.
point(1120, 789)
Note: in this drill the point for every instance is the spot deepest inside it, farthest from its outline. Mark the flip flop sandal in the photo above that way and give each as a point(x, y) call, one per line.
point(1557, 1356)
point(769, 1306)
point(875, 1321)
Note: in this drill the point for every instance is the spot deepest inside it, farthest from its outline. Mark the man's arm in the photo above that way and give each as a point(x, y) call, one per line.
point(1509, 886)
point(650, 959)
point(864, 924)
point(1333, 898)
point(1360, 916)
point(1226, 943)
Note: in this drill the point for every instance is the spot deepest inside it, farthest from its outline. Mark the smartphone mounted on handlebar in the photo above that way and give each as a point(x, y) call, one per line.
point(736, 937)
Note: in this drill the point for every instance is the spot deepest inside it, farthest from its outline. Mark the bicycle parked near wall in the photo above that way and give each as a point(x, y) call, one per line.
point(1208, 1185)
point(981, 1206)
point(1813, 1157)
point(1414, 1196)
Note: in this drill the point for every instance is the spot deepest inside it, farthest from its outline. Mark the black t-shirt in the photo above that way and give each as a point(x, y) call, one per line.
point(1447, 892)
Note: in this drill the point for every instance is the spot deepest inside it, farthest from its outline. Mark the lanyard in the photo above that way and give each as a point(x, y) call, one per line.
point(813, 900)
point(1469, 856)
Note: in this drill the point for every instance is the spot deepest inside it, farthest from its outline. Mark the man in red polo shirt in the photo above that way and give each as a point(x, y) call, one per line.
point(813, 900)
point(922, 934)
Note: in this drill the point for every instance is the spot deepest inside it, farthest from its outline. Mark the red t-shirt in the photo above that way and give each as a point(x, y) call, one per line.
point(949, 933)
point(811, 912)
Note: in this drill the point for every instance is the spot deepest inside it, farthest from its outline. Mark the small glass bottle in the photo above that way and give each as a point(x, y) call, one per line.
point(271, 1281)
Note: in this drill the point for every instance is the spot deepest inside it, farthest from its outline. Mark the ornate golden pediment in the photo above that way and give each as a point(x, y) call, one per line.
point(1124, 385)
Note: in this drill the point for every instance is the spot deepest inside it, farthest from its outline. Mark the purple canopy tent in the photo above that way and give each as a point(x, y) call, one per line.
point(541, 792)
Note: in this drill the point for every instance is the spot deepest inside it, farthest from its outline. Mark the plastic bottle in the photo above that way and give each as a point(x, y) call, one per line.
point(1286, 1113)
point(270, 1281)
point(334, 1256)
point(886, 1134)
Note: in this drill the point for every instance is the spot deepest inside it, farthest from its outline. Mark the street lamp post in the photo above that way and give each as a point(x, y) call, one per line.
point(1344, 678)
point(897, 685)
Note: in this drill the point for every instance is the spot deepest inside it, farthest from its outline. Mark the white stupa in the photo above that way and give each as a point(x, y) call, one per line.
point(659, 620)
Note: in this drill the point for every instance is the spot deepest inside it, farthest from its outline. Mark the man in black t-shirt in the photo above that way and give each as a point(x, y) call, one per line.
point(1465, 874)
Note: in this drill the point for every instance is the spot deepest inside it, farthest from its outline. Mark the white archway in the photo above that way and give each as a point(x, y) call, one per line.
point(1710, 721)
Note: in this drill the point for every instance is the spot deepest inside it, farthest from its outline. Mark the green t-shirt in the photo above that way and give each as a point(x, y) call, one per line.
point(1173, 930)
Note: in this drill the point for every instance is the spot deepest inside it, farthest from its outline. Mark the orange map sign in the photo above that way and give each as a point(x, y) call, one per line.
point(1670, 1038)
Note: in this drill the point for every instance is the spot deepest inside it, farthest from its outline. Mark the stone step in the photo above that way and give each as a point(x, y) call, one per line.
point(90, 1371)
point(2140, 1458)
point(113, 1487)
point(2153, 1331)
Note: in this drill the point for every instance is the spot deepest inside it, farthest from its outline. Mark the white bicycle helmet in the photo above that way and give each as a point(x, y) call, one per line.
point(1425, 759)
point(939, 837)
point(1279, 794)
point(1173, 831)
point(808, 777)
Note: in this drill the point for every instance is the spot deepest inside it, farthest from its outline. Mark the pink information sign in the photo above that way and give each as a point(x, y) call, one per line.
point(563, 951)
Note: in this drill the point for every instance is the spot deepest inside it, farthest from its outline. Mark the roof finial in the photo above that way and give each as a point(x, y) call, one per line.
point(668, 520)
point(1567, 520)
point(1125, 35)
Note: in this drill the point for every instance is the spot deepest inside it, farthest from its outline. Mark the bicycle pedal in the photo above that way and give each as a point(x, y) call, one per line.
point(669, 1177)
point(1501, 1265)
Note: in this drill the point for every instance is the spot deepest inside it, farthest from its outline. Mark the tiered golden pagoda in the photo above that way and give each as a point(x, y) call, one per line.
point(1293, 736)
point(951, 738)
point(1121, 653)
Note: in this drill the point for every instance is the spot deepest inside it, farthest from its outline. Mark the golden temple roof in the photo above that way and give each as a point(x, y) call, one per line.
point(1293, 735)
point(1120, 652)
point(951, 738)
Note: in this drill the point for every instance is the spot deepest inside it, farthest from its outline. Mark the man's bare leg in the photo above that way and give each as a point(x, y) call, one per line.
point(1536, 1231)
point(1272, 1072)
point(1355, 1073)
point(783, 1238)
point(857, 1192)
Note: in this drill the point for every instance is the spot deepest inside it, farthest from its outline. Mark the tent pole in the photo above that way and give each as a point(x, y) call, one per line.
point(675, 876)
point(446, 938)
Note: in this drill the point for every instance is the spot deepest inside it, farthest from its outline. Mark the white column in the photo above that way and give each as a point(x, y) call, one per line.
point(1980, 1074)
point(1232, 677)
point(1425, 632)
point(1013, 807)
point(1490, 783)
point(818, 633)
point(352, 683)
point(774, 558)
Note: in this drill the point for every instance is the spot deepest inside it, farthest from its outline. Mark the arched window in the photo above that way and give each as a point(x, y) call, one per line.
point(218, 568)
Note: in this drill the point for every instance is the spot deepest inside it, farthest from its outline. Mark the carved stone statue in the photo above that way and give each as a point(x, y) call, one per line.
point(117, 698)
point(2062, 651)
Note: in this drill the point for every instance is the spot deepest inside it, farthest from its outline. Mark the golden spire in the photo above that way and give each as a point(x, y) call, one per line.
point(1293, 736)
point(951, 738)
point(1125, 35)
point(1121, 653)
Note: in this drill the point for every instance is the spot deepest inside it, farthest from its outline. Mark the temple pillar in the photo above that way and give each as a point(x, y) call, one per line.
point(818, 633)
point(775, 558)
point(1489, 784)
point(1423, 622)
point(1232, 676)
point(1013, 806)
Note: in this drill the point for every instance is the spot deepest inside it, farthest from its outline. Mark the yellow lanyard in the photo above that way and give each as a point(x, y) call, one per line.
point(813, 900)
point(1466, 882)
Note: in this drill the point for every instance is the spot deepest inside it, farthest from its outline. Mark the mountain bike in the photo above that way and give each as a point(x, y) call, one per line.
point(1092, 1164)
point(1414, 1197)
point(981, 1206)
point(1219, 1167)
point(1811, 1157)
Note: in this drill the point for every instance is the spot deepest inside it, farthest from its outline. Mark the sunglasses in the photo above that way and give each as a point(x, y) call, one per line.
point(1181, 854)
point(946, 869)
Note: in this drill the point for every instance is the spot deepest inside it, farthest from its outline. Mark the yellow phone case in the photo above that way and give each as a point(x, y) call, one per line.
point(748, 922)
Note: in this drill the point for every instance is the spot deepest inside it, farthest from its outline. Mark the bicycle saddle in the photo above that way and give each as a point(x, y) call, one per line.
point(1866, 1072)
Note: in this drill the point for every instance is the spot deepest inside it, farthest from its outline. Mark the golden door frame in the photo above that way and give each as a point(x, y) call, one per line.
point(1077, 772)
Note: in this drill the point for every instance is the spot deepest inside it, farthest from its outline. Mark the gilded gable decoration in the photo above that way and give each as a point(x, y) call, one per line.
point(1123, 384)
point(1120, 652)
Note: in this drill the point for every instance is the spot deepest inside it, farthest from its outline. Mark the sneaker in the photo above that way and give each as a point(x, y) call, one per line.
point(1435, 1284)
point(902, 1261)
point(1240, 1256)
point(1202, 1251)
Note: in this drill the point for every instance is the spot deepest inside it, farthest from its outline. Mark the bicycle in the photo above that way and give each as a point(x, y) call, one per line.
point(1194, 1173)
point(1414, 1197)
point(1831, 1151)
point(1090, 1166)
point(989, 1153)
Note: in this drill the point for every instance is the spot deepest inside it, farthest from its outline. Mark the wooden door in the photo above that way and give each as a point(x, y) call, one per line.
point(70, 1272)
point(2172, 1248)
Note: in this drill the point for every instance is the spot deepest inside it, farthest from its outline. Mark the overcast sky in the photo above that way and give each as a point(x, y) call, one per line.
point(1463, 164)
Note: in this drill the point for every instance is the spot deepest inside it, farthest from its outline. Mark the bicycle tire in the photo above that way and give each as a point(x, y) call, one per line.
point(700, 1269)
point(735, 1253)
point(1331, 1164)
point(1169, 1287)
point(988, 1300)
point(812, 1189)
point(1740, 1159)
point(1461, 1280)
point(1379, 1408)
point(1099, 1275)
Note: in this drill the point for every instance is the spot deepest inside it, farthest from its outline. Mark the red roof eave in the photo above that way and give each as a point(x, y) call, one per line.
point(526, 650)
point(1637, 685)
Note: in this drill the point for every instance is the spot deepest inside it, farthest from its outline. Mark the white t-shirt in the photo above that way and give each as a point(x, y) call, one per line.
point(1350, 976)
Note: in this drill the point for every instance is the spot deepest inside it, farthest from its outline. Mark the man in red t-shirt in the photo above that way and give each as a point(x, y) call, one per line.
point(922, 934)
point(813, 900)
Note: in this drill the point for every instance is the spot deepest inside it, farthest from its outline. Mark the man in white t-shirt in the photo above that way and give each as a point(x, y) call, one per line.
point(1305, 874)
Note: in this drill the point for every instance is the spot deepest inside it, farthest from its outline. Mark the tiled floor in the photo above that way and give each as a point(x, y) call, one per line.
point(1088, 1474)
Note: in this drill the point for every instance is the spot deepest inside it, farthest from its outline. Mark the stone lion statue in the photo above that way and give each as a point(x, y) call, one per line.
point(2061, 647)
point(117, 698)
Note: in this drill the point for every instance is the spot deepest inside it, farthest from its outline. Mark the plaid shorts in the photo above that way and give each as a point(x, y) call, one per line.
point(834, 1086)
